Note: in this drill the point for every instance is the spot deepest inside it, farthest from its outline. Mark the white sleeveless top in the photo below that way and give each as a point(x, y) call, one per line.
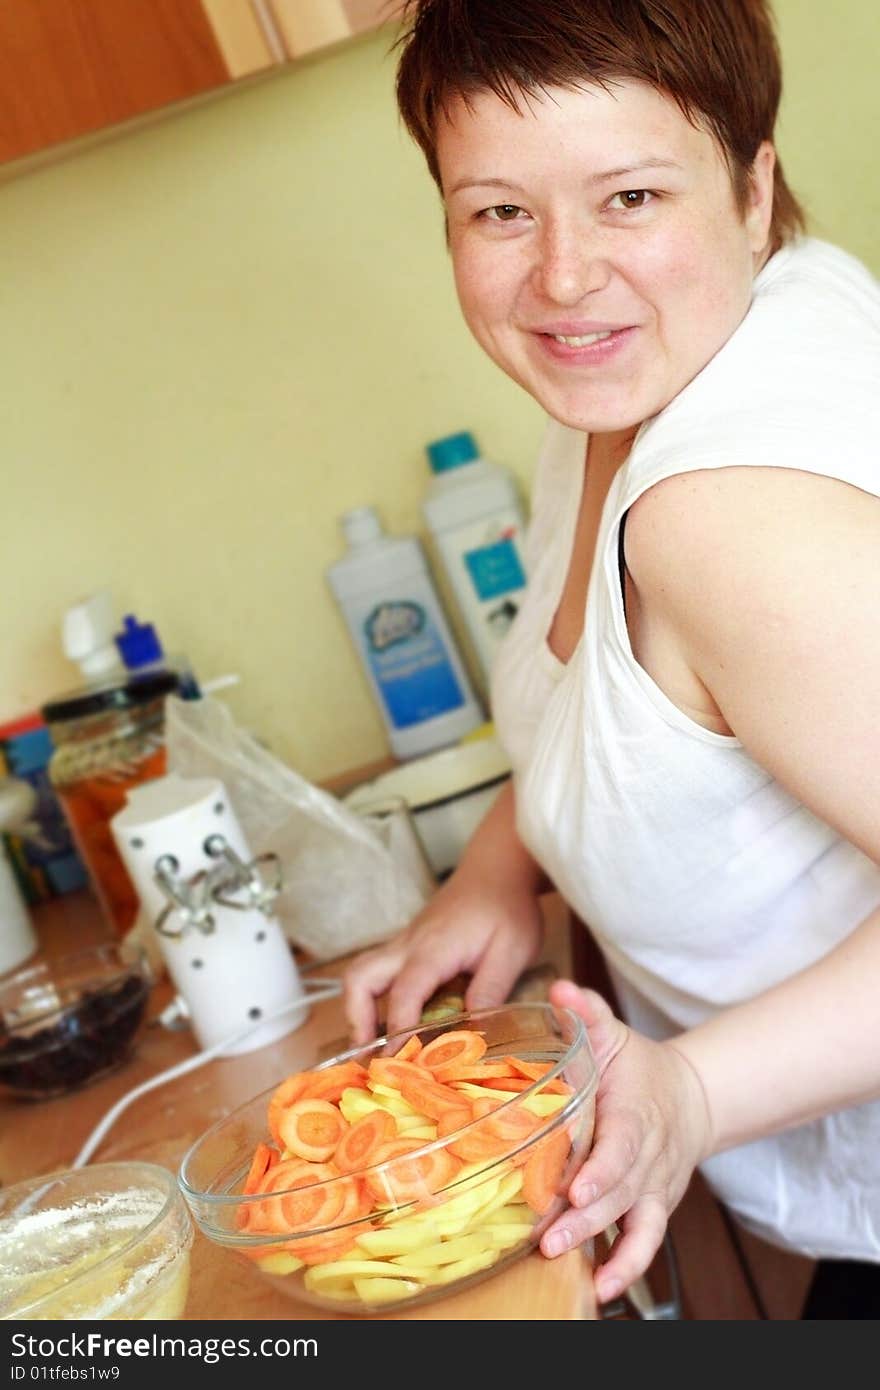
point(703, 881)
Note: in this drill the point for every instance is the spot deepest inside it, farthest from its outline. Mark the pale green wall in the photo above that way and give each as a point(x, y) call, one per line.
point(221, 330)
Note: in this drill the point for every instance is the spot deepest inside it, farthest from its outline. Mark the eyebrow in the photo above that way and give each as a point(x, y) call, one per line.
point(635, 168)
point(638, 167)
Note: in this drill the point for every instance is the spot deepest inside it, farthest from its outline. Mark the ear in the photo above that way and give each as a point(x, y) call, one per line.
point(759, 203)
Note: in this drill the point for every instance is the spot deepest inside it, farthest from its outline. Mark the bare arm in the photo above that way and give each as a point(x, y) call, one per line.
point(765, 580)
point(814, 1041)
point(794, 664)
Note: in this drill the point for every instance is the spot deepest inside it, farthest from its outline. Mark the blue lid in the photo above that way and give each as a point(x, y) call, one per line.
point(138, 644)
point(452, 451)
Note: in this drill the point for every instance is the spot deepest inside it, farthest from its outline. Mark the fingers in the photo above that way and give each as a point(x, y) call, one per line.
point(366, 979)
point(427, 967)
point(497, 972)
point(642, 1231)
point(607, 1033)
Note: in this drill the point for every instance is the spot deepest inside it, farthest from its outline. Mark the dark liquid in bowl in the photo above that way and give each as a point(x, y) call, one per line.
point(91, 1038)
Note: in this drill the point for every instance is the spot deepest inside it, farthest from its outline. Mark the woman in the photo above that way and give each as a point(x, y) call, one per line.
point(688, 694)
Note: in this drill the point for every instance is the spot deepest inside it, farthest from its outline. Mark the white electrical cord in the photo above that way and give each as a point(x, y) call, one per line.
point(314, 990)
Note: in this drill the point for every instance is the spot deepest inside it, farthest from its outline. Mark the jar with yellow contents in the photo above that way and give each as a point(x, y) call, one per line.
point(108, 739)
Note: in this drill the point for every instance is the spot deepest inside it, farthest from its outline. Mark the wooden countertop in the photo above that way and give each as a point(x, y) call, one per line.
point(37, 1137)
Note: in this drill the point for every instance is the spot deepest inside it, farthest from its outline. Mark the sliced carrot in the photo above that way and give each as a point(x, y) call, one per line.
point(477, 1072)
point(265, 1157)
point(512, 1122)
point(304, 1199)
point(358, 1142)
point(401, 1173)
point(312, 1129)
point(410, 1050)
point(391, 1071)
point(318, 1249)
point(428, 1096)
point(543, 1171)
point(452, 1120)
point(459, 1047)
point(507, 1083)
point(290, 1090)
point(535, 1070)
point(328, 1083)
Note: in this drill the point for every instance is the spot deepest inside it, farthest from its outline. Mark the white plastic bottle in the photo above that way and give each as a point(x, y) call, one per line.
point(388, 600)
point(473, 514)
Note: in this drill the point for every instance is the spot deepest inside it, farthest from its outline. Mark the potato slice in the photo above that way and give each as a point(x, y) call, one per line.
point(374, 1292)
point(281, 1262)
point(505, 1234)
point(447, 1251)
point(339, 1271)
point(399, 1239)
point(545, 1105)
point(460, 1269)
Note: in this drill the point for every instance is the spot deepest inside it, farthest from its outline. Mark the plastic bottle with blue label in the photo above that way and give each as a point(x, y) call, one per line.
point(384, 589)
point(473, 513)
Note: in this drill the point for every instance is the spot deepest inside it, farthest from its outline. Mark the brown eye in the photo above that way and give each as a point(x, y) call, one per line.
point(503, 212)
point(633, 198)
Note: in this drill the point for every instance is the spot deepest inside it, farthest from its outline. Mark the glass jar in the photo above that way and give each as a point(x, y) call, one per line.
point(107, 740)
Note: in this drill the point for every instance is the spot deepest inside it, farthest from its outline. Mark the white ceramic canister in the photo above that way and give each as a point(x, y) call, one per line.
point(237, 967)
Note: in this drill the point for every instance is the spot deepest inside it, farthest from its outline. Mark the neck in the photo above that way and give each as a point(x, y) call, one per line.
point(613, 447)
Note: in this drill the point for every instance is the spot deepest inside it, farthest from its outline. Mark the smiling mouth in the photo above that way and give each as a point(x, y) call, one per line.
point(584, 340)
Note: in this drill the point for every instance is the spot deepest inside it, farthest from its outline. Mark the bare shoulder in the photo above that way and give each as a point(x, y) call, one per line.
point(762, 537)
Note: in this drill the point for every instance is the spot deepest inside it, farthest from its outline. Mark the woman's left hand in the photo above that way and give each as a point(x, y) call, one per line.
point(652, 1129)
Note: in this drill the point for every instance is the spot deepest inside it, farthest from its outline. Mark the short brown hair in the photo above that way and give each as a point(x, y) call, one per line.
point(719, 59)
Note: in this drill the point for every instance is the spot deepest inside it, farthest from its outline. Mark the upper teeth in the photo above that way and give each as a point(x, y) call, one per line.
point(584, 340)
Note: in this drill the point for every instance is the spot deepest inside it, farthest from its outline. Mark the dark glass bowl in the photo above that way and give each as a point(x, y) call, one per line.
point(67, 1021)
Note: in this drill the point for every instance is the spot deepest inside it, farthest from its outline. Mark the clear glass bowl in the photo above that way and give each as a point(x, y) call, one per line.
point(374, 1239)
point(107, 1241)
point(67, 1021)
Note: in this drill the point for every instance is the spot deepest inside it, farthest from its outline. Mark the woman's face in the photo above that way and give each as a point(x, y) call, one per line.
point(599, 254)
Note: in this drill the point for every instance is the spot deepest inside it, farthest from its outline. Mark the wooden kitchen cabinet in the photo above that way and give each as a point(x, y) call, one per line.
point(308, 25)
point(69, 68)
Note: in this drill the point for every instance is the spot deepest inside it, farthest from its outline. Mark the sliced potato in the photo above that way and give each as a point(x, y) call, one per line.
point(374, 1292)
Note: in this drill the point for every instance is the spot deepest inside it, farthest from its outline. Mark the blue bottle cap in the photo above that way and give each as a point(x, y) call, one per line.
point(138, 644)
point(452, 451)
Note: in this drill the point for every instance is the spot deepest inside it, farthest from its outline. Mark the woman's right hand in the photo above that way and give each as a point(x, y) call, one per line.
point(485, 921)
point(483, 932)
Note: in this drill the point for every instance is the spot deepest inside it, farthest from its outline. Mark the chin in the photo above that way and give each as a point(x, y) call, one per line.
point(591, 419)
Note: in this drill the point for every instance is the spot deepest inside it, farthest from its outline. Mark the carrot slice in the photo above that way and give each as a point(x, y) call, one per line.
point(330, 1082)
point(265, 1157)
point(312, 1129)
point(358, 1142)
point(535, 1070)
point(401, 1173)
point(543, 1171)
point(451, 1120)
point(307, 1197)
point(428, 1096)
point(410, 1050)
point(506, 1083)
point(290, 1090)
point(391, 1071)
point(512, 1123)
point(460, 1047)
point(478, 1072)
point(318, 1249)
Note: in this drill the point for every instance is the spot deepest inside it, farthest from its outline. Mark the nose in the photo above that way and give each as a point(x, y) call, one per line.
point(571, 263)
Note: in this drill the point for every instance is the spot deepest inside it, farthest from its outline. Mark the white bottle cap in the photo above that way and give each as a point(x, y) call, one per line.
point(87, 635)
point(361, 525)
